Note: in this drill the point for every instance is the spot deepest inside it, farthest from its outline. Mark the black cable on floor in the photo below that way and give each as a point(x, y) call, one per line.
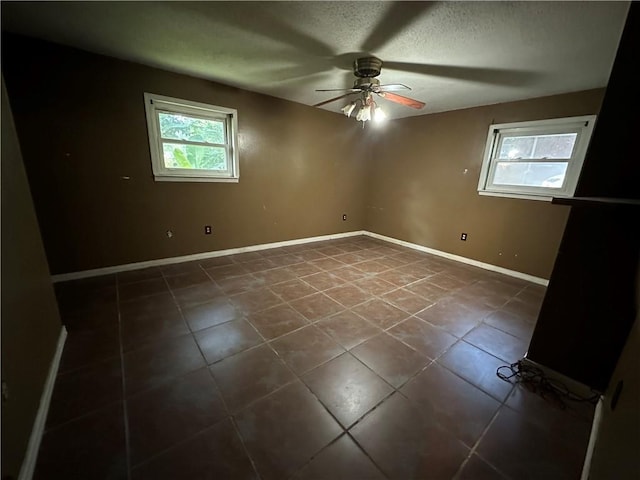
point(535, 380)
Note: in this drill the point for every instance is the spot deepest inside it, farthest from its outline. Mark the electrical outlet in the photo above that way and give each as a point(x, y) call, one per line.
point(207, 229)
point(463, 237)
point(344, 217)
point(169, 234)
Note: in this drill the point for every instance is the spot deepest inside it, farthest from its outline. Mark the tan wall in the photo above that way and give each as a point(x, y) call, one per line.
point(81, 123)
point(424, 178)
point(30, 320)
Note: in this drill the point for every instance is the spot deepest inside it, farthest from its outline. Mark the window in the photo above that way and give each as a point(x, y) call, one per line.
point(536, 160)
point(191, 142)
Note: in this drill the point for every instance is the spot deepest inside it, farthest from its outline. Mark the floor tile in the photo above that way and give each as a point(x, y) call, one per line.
point(512, 324)
point(144, 288)
point(371, 266)
point(163, 302)
point(226, 339)
point(316, 306)
point(255, 300)
point(159, 362)
point(215, 312)
point(347, 388)
point(456, 405)
point(428, 290)
point(399, 278)
point(350, 273)
point(250, 375)
point(348, 329)
point(568, 420)
point(424, 337)
point(89, 320)
point(477, 367)
point(374, 285)
point(342, 460)
point(284, 430)
point(85, 390)
point(90, 346)
point(214, 453)
point(163, 416)
point(520, 449)
point(497, 343)
point(327, 263)
point(323, 280)
point(138, 275)
point(348, 295)
point(92, 446)
point(456, 319)
point(391, 359)
point(277, 321)
point(306, 348)
point(188, 279)
point(197, 294)
point(477, 469)
point(145, 328)
point(406, 300)
point(380, 313)
point(406, 447)
point(293, 289)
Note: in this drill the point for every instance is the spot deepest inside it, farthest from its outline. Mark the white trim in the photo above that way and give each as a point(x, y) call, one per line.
point(458, 258)
point(63, 277)
point(29, 462)
point(581, 125)
point(595, 429)
point(229, 116)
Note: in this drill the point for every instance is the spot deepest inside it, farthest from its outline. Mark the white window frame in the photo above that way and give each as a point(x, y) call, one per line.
point(156, 104)
point(582, 126)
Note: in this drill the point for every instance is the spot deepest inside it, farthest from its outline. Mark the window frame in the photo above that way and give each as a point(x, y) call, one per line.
point(581, 125)
point(156, 104)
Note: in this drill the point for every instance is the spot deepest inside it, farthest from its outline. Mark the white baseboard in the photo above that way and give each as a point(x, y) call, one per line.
point(63, 277)
point(31, 456)
point(458, 258)
point(265, 246)
point(595, 430)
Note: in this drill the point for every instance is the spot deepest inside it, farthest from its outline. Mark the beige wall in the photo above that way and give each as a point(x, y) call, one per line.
point(424, 178)
point(30, 320)
point(81, 122)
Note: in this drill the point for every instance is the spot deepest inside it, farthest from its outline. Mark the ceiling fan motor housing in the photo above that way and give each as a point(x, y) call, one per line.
point(367, 67)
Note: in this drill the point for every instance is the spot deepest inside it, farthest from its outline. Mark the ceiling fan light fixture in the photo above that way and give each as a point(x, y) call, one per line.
point(348, 109)
point(379, 116)
point(364, 114)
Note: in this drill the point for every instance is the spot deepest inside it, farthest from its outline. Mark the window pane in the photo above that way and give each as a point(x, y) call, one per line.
point(530, 174)
point(538, 146)
point(182, 127)
point(194, 157)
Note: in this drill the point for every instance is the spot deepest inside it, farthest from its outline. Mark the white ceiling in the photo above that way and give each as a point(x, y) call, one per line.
point(452, 54)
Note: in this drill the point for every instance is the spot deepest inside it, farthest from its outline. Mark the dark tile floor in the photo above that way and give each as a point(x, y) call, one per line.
point(346, 359)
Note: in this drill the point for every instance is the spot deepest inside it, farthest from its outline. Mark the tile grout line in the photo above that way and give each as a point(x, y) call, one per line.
point(124, 391)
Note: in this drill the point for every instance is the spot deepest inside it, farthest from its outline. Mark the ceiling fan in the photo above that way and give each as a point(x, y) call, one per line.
point(366, 85)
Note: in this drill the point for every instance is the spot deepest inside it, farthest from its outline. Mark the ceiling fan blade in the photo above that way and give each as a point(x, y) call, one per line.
point(333, 99)
point(496, 76)
point(409, 102)
point(393, 87)
point(397, 18)
point(353, 90)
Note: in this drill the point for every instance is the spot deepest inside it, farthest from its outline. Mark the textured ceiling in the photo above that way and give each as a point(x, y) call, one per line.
point(452, 54)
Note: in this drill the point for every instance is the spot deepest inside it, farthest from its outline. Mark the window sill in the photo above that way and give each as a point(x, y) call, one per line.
point(521, 196)
point(196, 179)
